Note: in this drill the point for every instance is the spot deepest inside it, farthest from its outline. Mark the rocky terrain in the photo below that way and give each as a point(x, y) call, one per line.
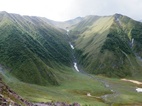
point(9, 97)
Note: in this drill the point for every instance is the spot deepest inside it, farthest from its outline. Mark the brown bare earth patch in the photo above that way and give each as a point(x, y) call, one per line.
point(133, 81)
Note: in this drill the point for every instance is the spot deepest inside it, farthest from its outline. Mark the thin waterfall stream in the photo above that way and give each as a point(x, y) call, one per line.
point(105, 83)
point(72, 47)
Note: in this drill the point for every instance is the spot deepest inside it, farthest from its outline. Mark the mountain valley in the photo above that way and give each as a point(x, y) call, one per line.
point(80, 61)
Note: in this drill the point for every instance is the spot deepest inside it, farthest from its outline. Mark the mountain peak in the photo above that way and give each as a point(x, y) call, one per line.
point(116, 15)
point(3, 12)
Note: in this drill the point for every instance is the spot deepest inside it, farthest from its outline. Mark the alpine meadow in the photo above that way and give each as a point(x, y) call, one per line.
point(87, 61)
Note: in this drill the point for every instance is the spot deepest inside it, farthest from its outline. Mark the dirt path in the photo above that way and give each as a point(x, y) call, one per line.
point(133, 81)
point(56, 104)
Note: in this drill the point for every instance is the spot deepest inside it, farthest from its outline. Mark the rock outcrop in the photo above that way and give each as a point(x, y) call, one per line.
point(9, 98)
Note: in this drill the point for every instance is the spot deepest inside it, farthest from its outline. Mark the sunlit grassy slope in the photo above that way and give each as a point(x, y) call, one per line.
point(32, 49)
point(104, 45)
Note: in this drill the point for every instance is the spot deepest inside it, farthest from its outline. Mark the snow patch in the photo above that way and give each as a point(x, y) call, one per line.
point(88, 94)
point(139, 89)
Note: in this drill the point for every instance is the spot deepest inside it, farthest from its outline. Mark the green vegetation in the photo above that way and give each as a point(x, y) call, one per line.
point(32, 49)
point(103, 45)
point(125, 91)
point(74, 88)
point(38, 59)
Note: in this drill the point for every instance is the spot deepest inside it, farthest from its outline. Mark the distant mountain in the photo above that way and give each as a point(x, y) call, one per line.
point(109, 45)
point(65, 24)
point(32, 49)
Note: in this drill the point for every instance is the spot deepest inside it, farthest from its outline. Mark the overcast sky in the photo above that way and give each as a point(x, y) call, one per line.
point(61, 10)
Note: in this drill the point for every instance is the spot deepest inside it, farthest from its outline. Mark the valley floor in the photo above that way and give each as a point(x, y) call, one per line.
point(87, 90)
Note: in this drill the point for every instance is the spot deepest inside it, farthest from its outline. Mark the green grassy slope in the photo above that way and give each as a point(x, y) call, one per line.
point(103, 45)
point(32, 49)
point(74, 88)
point(37, 53)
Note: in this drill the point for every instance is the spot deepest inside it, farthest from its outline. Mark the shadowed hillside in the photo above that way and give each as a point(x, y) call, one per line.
point(32, 49)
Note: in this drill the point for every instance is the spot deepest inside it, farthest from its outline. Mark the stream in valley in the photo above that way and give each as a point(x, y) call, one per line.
point(103, 98)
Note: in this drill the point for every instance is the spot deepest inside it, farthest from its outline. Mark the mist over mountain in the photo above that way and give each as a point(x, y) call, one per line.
point(65, 24)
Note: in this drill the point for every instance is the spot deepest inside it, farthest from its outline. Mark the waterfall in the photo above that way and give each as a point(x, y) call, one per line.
point(72, 47)
point(132, 42)
point(75, 66)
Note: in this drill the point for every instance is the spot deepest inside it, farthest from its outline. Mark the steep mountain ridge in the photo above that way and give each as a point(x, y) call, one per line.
point(36, 49)
point(105, 47)
point(32, 49)
point(34, 52)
